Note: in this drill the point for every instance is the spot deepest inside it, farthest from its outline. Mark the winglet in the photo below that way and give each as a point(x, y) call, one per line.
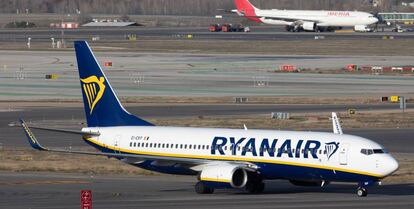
point(30, 137)
point(336, 125)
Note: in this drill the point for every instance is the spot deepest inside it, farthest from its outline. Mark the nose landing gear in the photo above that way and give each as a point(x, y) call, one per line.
point(362, 188)
point(362, 192)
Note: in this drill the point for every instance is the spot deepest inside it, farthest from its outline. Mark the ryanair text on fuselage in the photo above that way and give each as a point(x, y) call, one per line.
point(273, 148)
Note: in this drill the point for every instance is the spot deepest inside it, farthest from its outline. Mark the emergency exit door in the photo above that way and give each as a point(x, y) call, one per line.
point(343, 154)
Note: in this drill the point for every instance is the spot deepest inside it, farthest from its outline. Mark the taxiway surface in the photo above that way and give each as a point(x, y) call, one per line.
point(154, 74)
point(258, 33)
point(42, 191)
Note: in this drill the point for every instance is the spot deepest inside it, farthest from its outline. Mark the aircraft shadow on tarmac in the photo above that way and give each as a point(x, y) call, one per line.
point(277, 188)
point(394, 189)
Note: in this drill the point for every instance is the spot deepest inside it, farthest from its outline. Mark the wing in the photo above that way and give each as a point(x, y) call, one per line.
point(194, 164)
point(290, 19)
point(286, 19)
point(130, 157)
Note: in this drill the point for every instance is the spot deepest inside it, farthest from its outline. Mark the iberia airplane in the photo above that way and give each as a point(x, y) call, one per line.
point(307, 20)
point(240, 159)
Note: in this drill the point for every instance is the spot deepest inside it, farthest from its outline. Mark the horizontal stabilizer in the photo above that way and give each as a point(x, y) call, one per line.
point(67, 131)
point(90, 133)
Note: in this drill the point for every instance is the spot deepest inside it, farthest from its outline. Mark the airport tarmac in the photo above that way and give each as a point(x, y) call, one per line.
point(22, 75)
point(262, 33)
point(45, 190)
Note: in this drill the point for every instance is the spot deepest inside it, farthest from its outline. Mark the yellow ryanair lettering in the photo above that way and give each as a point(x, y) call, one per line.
point(93, 89)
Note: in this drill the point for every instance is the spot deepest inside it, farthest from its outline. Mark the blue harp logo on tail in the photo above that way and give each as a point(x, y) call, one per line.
point(331, 148)
point(94, 89)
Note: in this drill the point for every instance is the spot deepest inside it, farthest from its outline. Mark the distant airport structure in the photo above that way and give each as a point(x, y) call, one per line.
point(396, 17)
point(110, 24)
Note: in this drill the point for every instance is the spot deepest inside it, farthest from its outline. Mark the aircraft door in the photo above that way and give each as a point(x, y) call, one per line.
point(343, 154)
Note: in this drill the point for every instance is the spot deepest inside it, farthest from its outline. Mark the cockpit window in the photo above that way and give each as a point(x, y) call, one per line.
point(379, 151)
point(364, 151)
point(373, 151)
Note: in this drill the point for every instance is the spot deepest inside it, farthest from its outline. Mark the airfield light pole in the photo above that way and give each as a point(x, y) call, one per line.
point(62, 33)
point(28, 42)
point(53, 42)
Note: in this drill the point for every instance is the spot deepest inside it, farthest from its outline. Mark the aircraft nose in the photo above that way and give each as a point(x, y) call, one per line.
point(391, 165)
point(375, 20)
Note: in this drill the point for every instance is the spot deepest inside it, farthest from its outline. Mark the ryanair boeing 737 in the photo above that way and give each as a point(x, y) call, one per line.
point(219, 158)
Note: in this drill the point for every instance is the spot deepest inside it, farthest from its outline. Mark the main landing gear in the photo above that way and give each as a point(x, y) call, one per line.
point(255, 188)
point(202, 188)
point(255, 184)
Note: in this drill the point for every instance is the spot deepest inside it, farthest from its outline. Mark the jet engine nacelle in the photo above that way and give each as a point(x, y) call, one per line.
point(362, 28)
point(234, 175)
point(309, 26)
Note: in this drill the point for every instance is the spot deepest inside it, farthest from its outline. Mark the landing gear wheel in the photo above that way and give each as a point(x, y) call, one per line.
point(362, 192)
point(257, 188)
point(201, 188)
point(260, 188)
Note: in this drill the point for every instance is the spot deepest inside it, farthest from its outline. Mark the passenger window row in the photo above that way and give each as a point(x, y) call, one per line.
point(202, 147)
point(169, 146)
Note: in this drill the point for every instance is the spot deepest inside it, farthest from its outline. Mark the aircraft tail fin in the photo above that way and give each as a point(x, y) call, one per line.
point(102, 106)
point(246, 9)
point(244, 4)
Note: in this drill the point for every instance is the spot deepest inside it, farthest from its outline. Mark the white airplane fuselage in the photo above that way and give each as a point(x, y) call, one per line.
point(321, 18)
point(278, 154)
